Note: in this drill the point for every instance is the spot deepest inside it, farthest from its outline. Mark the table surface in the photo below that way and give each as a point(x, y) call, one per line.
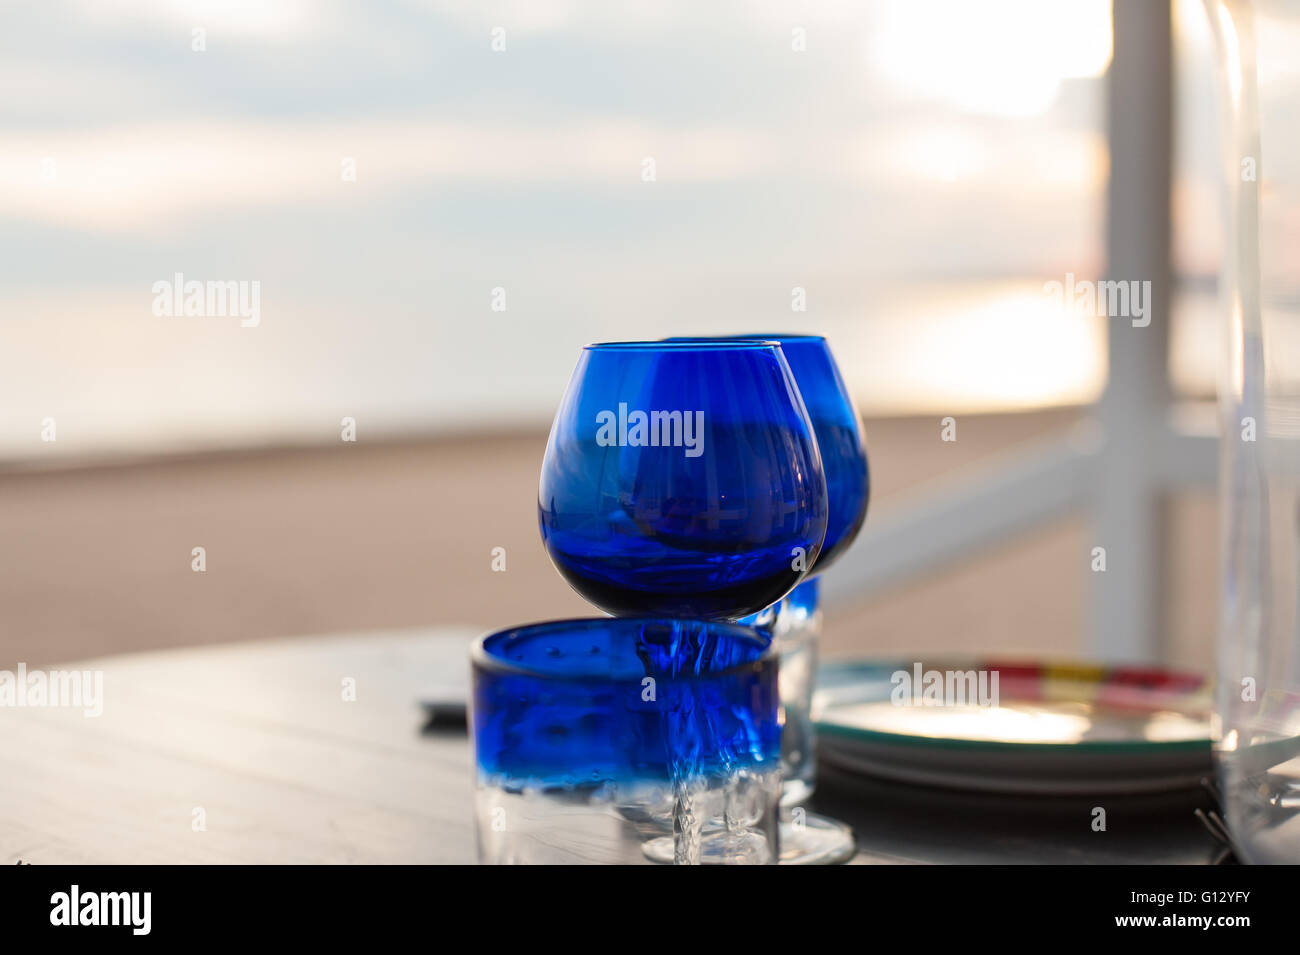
point(250, 753)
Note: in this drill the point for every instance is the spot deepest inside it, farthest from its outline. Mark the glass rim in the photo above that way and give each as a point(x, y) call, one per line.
point(480, 657)
point(775, 337)
point(718, 344)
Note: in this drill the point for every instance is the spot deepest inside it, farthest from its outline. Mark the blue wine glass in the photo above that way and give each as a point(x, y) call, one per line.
point(682, 479)
point(797, 620)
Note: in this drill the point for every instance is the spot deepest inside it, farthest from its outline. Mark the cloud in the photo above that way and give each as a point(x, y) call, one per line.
point(134, 178)
point(282, 19)
point(143, 178)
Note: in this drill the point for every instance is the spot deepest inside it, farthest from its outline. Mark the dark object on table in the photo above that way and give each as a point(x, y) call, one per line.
point(445, 711)
point(1213, 821)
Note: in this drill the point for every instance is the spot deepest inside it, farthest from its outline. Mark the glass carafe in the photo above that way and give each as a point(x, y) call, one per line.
point(1257, 731)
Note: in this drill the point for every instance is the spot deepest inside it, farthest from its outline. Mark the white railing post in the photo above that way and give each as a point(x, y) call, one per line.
point(1128, 505)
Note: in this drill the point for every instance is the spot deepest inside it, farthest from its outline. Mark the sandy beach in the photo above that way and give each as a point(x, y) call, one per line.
point(98, 559)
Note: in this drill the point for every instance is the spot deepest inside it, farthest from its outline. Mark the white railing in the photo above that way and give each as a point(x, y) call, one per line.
point(1136, 446)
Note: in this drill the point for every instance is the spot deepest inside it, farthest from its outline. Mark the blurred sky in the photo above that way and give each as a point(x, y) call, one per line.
point(921, 169)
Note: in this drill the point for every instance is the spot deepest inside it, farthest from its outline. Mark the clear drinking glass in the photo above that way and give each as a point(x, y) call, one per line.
point(1257, 731)
point(795, 631)
point(626, 740)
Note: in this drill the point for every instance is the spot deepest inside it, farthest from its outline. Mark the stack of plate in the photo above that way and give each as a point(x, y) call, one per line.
point(1005, 726)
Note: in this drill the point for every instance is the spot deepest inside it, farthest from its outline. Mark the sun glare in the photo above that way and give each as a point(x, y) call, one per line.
point(1003, 59)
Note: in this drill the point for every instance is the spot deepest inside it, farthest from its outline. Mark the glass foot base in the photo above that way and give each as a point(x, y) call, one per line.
point(806, 839)
point(745, 848)
point(810, 839)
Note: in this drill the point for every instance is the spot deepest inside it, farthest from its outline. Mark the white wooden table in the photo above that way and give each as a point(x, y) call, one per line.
point(249, 753)
point(260, 739)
